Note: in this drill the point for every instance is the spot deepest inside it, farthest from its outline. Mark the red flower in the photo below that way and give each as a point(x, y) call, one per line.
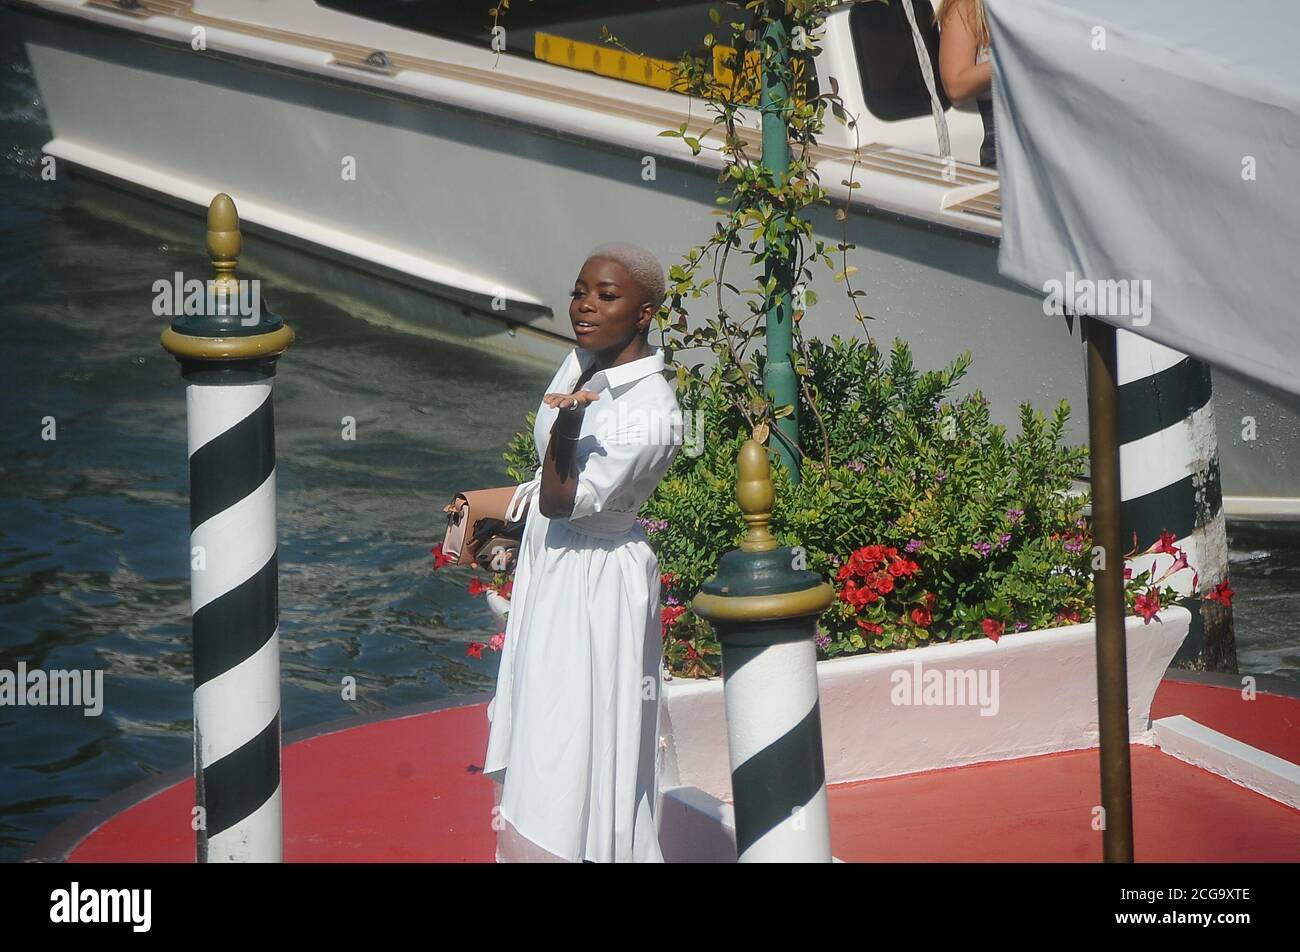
point(929, 599)
point(505, 590)
point(898, 567)
point(439, 560)
point(884, 585)
point(691, 653)
point(667, 578)
point(870, 626)
point(669, 615)
point(1128, 572)
point(1166, 543)
point(994, 629)
point(922, 617)
point(1222, 593)
point(1148, 605)
point(476, 586)
point(476, 649)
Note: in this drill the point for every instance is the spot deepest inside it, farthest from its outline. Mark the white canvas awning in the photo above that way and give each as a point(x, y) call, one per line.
point(1157, 141)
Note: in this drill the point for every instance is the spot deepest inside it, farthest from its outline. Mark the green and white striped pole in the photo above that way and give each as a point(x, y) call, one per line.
point(227, 355)
point(765, 612)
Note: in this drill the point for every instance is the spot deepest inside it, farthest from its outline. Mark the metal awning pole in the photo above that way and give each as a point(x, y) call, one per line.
point(1112, 662)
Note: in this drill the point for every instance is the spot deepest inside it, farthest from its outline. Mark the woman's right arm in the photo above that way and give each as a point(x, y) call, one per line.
point(559, 469)
point(963, 78)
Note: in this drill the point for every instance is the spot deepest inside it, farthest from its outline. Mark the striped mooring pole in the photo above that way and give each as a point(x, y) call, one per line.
point(1170, 482)
point(765, 612)
point(227, 354)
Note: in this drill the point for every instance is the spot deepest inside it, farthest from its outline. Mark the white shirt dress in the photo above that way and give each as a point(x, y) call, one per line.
point(576, 716)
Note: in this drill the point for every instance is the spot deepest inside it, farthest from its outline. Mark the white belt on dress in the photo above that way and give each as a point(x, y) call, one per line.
point(522, 499)
point(610, 526)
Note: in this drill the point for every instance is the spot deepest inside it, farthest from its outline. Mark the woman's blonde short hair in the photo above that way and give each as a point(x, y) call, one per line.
point(972, 12)
point(643, 267)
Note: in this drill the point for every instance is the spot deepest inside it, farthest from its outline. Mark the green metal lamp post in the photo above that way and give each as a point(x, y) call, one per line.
point(778, 372)
point(765, 613)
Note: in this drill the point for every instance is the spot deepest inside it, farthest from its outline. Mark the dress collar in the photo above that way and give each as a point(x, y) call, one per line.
point(622, 374)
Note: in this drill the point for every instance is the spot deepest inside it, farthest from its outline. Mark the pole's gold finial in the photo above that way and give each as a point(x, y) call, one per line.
point(756, 495)
point(224, 241)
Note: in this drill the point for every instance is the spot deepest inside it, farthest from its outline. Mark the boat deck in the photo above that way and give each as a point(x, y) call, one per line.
point(407, 786)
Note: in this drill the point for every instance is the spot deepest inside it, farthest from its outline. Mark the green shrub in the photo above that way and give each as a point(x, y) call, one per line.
point(931, 522)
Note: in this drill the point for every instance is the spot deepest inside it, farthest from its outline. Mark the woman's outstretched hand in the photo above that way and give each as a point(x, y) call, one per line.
point(565, 401)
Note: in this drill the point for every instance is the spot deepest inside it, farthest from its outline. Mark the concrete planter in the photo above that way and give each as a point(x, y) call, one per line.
point(943, 705)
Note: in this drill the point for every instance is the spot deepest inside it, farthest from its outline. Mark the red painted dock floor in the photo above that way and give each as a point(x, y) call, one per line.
point(410, 789)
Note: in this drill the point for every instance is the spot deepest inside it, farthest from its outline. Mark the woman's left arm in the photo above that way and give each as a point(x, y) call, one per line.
point(963, 78)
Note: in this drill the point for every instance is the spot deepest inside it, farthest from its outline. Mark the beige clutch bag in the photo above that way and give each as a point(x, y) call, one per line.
point(478, 532)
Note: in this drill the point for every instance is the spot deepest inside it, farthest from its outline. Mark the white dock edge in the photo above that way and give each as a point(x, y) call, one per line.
point(1183, 738)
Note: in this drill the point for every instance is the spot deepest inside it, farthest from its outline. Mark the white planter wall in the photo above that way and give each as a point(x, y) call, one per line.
point(1046, 701)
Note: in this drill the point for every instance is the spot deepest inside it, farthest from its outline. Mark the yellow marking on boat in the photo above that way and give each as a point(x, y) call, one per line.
point(604, 61)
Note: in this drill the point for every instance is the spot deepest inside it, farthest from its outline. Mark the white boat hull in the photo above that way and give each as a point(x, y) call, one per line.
point(493, 215)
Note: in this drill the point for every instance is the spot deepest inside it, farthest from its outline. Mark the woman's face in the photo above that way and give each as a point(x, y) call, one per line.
point(607, 308)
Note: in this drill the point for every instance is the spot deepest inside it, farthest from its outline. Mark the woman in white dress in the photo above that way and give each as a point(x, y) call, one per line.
point(576, 716)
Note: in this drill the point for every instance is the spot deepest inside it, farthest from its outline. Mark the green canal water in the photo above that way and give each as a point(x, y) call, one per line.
point(94, 524)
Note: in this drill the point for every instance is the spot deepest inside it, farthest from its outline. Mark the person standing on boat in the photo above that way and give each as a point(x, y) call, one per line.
point(575, 717)
point(965, 65)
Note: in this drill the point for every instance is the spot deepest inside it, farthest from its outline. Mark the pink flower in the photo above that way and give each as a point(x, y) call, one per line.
point(497, 640)
point(1180, 563)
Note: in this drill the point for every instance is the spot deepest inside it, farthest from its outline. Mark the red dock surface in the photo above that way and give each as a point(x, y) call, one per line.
point(408, 788)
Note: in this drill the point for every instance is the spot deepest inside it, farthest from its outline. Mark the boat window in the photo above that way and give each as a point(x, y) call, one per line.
point(892, 82)
point(568, 32)
point(658, 28)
